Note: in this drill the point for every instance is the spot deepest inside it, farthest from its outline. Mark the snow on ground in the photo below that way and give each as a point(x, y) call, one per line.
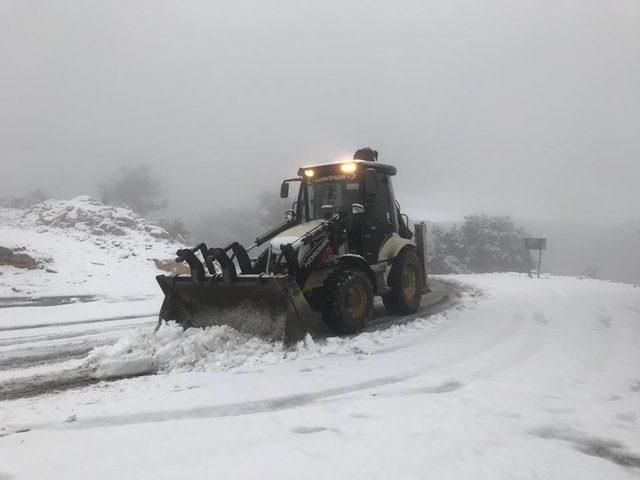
point(87, 248)
point(531, 379)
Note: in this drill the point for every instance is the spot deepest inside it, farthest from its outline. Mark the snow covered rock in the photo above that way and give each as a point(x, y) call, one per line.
point(83, 213)
point(159, 233)
point(171, 266)
point(23, 260)
point(19, 260)
point(94, 249)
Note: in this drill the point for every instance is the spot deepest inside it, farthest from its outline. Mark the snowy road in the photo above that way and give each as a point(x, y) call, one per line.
point(520, 378)
point(75, 338)
point(48, 358)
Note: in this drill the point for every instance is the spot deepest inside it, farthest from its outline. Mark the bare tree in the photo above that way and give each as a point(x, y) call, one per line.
point(177, 229)
point(25, 201)
point(272, 209)
point(243, 225)
point(137, 187)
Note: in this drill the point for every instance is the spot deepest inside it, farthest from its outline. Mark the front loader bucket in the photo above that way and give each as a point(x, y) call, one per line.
point(269, 306)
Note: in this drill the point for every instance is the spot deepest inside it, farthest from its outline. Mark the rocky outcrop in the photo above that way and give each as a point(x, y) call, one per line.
point(83, 213)
point(17, 258)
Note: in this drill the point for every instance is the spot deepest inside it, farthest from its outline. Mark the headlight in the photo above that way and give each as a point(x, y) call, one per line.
point(309, 172)
point(348, 167)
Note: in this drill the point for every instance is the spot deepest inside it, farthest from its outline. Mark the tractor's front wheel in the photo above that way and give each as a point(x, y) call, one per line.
point(406, 282)
point(347, 301)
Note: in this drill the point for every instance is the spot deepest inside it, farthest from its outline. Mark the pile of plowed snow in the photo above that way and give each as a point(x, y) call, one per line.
point(221, 348)
point(82, 247)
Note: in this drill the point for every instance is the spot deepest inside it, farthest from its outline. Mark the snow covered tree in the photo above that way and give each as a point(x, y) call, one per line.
point(494, 244)
point(481, 244)
point(445, 250)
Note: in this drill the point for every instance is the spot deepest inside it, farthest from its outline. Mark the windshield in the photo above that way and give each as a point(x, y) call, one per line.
point(341, 194)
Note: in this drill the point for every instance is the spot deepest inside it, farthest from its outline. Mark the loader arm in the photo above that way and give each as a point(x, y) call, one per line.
point(209, 255)
point(324, 241)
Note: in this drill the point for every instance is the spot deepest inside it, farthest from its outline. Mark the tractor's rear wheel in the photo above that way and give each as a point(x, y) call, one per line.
point(406, 282)
point(347, 301)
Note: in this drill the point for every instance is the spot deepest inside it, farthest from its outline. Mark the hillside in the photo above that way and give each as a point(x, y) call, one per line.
point(81, 248)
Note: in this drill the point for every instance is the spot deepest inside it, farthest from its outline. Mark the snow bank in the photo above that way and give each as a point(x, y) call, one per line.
point(221, 348)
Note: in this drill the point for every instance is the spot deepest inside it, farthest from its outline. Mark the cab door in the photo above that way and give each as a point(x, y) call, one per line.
point(380, 219)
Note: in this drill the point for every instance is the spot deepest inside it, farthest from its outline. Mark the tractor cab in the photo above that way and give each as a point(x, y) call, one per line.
point(361, 191)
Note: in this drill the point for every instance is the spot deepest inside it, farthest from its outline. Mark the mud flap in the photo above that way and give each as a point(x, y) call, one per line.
point(268, 306)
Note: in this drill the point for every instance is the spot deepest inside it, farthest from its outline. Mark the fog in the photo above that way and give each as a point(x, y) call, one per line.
point(526, 108)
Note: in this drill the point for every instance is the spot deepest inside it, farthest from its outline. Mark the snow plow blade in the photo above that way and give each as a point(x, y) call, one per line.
point(268, 306)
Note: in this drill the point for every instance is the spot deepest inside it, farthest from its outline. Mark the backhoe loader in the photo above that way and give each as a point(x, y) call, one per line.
point(344, 241)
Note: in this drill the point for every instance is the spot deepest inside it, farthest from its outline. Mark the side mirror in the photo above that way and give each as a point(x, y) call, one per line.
point(284, 190)
point(289, 215)
point(357, 209)
point(370, 182)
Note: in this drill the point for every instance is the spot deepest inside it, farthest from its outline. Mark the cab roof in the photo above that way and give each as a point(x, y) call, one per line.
point(362, 164)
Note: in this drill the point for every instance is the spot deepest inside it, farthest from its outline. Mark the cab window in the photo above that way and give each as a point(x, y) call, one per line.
point(341, 194)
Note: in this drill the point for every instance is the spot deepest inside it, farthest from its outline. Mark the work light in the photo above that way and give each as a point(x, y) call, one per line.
point(348, 167)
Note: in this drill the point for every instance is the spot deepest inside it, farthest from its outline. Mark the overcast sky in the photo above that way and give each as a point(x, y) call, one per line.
point(524, 107)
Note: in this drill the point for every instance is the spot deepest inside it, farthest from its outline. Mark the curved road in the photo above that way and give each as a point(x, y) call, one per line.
point(530, 379)
point(21, 354)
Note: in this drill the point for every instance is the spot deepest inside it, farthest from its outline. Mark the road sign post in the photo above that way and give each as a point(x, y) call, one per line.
point(534, 243)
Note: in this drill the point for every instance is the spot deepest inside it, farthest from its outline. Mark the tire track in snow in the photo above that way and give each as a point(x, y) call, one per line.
point(225, 410)
point(25, 358)
point(60, 381)
point(63, 336)
point(77, 322)
point(21, 359)
point(445, 295)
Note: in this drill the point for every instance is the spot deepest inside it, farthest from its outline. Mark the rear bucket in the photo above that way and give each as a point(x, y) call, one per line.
point(271, 307)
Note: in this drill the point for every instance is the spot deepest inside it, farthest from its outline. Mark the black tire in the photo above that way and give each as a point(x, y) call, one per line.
point(406, 282)
point(347, 301)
